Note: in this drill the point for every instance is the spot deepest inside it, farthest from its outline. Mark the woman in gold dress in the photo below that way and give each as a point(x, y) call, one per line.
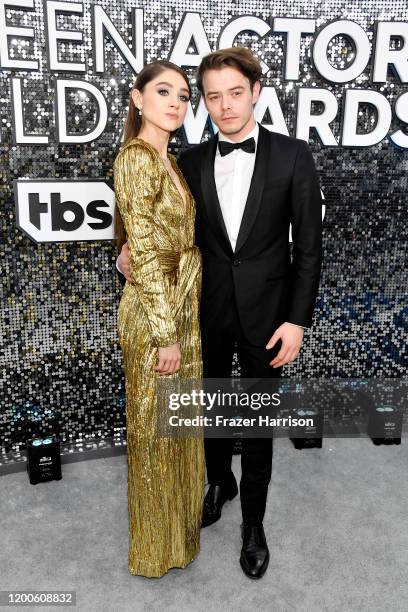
point(158, 322)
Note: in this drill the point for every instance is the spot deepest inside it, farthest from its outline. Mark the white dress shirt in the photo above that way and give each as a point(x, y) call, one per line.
point(233, 175)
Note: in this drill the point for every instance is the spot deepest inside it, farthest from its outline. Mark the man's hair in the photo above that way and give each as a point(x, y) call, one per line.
point(240, 58)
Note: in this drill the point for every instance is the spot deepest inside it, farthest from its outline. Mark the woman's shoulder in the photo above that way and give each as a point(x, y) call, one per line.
point(137, 151)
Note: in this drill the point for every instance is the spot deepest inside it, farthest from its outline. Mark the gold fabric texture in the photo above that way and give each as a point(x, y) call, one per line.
point(165, 475)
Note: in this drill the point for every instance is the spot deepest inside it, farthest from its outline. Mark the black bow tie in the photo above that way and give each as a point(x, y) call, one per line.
point(225, 147)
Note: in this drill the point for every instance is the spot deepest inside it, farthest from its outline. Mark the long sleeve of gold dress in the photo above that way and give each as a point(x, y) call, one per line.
point(165, 475)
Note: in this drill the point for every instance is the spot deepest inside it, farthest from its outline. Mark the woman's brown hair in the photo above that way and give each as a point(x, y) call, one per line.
point(240, 58)
point(133, 124)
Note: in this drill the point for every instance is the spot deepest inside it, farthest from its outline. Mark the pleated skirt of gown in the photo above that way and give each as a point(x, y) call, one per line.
point(165, 475)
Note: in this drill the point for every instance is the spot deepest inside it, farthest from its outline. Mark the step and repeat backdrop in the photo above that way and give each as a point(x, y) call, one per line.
point(334, 74)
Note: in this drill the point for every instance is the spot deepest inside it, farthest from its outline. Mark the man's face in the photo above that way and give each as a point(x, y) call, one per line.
point(229, 99)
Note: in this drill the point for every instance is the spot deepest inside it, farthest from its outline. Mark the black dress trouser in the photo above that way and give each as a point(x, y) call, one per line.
point(256, 457)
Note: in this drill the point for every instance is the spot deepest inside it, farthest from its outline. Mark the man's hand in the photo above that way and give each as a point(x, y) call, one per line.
point(123, 262)
point(169, 359)
point(291, 337)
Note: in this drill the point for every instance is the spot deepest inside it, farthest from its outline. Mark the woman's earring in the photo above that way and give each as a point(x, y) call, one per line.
point(140, 111)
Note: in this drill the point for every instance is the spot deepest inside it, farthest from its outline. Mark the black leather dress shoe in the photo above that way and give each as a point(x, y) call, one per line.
point(214, 500)
point(254, 558)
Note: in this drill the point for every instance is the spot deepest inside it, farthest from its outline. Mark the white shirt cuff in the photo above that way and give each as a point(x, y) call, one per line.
point(296, 325)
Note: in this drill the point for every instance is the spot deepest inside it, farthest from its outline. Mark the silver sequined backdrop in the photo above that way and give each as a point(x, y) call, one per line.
point(61, 362)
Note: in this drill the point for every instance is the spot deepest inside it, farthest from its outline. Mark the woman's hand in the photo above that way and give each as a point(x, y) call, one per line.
point(123, 263)
point(169, 359)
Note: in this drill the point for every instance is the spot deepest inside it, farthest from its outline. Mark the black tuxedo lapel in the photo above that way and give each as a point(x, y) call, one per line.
point(262, 166)
point(210, 196)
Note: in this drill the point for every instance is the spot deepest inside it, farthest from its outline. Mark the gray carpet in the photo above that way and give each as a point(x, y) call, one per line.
point(336, 525)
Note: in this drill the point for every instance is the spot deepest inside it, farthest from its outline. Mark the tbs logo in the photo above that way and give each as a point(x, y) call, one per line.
point(64, 211)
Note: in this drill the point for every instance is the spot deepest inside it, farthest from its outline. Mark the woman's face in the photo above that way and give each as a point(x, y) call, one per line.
point(163, 101)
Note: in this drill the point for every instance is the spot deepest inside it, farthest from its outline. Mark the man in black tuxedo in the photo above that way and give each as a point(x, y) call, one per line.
point(249, 185)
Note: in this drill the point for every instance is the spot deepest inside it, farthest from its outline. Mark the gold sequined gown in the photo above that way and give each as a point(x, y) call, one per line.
point(165, 475)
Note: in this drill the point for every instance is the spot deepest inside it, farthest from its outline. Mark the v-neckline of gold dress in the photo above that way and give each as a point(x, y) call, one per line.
point(176, 169)
point(184, 198)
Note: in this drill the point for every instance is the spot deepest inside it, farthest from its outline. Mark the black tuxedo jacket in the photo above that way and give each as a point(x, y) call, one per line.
point(268, 287)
